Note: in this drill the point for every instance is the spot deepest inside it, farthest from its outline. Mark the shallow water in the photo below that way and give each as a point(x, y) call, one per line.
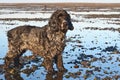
point(89, 53)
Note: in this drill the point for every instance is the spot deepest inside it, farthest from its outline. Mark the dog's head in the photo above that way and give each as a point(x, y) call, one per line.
point(60, 20)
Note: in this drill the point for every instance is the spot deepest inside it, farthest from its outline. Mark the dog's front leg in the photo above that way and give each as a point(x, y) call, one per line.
point(48, 64)
point(59, 62)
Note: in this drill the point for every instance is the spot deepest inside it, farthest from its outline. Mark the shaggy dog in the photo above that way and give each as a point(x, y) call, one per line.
point(47, 41)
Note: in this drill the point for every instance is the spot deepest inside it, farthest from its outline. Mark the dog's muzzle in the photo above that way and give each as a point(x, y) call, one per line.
point(67, 24)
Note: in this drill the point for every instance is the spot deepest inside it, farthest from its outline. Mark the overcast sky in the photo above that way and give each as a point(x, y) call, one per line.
point(31, 1)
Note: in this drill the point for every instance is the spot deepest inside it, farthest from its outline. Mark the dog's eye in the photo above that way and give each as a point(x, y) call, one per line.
point(60, 15)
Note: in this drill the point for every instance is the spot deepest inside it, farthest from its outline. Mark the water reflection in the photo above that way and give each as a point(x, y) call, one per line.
point(55, 76)
point(13, 74)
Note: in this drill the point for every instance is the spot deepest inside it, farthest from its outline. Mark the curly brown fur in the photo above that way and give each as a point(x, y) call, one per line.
point(47, 41)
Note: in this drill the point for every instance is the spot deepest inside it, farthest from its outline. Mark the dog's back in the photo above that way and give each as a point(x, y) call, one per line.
point(16, 32)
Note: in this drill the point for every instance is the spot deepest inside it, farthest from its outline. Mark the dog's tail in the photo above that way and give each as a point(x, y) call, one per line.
point(10, 35)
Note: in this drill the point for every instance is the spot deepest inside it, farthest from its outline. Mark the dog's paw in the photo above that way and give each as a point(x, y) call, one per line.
point(62, 69)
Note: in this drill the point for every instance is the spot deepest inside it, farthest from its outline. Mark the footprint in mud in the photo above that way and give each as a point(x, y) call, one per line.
point(112, 49)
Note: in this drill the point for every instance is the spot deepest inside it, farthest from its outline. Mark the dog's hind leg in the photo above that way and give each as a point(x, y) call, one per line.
point(17, 57)
point(12, 57)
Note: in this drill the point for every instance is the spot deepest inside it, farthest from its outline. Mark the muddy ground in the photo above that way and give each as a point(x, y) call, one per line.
point(92, 50)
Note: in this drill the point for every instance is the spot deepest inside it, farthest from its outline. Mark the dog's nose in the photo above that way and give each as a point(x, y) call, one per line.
point(68, 24)
point(71, 28)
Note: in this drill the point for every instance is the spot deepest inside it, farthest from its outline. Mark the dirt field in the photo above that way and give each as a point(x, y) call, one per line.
point(63, 4)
